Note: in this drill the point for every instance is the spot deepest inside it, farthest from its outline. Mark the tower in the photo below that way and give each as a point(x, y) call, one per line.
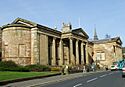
point(95, 35)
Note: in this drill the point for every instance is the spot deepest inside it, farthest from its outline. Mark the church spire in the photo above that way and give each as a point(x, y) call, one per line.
point(95, 35)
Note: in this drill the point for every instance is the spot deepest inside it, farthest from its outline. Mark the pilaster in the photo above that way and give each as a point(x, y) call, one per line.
point(35, 56)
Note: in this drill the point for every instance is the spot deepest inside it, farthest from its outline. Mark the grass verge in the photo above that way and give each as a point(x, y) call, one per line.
point(5, 76)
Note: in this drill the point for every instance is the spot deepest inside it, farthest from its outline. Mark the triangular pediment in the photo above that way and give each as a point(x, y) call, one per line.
point(80, 32)
point(119, 41)
point(24, 22)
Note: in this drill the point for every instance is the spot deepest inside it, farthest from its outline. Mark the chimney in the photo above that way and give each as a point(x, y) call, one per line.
point(66, 28)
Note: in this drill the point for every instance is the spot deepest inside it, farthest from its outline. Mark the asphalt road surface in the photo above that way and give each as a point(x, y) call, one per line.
point(103, 79)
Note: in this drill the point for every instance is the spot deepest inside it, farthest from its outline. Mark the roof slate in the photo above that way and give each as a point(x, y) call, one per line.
point(107, 40)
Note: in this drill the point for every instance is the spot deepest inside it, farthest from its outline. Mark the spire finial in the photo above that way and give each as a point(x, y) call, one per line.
point(95, 34)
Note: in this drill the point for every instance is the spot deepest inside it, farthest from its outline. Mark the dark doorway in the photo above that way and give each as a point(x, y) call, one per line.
point(50, 50)
point(84, 50)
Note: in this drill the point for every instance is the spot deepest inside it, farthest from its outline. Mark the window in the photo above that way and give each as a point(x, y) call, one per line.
point(100, 56)
point(113, 48)
point(22, 50)
point(6, 50)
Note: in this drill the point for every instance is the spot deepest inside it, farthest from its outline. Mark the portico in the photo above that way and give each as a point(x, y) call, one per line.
point(68, 49)
point(46, 46)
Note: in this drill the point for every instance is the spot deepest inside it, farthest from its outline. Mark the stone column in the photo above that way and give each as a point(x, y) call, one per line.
point(87, 58)
point(77, 52)
point(54, 52)
point(35, 55)
point(82, 53)
point(71, 52)
point(61, 52)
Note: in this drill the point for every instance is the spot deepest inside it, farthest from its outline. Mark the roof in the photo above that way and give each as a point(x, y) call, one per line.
point(23, 21)
point(80, 32)
point(115, 39)
point(30, 24)
point(47, 28)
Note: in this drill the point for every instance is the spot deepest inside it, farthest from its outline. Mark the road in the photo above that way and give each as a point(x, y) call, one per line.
point(103, 79)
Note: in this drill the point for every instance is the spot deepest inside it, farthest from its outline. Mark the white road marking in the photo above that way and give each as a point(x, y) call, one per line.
point(77, 85)
point(110, 73)
point(103, 75)
point(92, 80)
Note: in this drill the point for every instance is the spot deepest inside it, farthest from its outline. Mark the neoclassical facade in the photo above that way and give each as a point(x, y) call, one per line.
point(26, 42)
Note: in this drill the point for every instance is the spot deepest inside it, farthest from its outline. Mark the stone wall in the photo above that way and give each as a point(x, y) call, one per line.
point(108, 53)
point(16, 45)
point(43, 49)
point(90, 53)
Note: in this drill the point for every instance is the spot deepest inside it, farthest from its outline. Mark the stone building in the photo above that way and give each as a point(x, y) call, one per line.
point(26, 42)
point(90, 52)
point(123, 52)
point(107, 51)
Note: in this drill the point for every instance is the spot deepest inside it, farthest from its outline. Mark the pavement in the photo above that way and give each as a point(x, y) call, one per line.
point(48, 80)
point(102, 79)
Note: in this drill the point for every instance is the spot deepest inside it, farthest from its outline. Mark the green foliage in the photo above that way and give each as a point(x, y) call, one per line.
point(12, 66)
point(19, 69)
point(38, 68)
point(55, 69)
point(7, 64)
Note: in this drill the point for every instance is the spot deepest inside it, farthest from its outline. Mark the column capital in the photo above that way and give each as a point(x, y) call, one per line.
point(83, 43)
point(54, 38)
point(77, 40)
point(70, 38)
point(61, 41)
